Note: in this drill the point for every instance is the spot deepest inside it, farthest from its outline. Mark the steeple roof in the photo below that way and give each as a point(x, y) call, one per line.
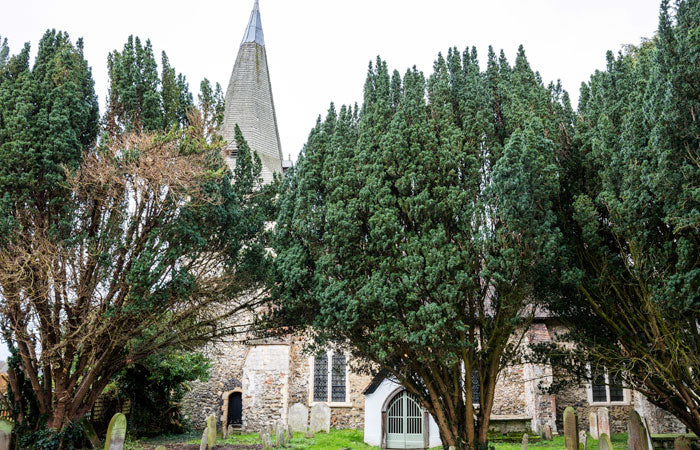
point(254, 32)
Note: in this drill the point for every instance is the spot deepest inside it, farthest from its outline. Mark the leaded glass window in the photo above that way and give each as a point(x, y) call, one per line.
point(600, 392)
point(616, 392)
point(606, 388)
point(338, 378)
point(476, 400)
point(321, 377)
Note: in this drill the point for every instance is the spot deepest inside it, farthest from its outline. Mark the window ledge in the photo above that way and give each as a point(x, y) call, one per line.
point(334, 404)
point(622, 403)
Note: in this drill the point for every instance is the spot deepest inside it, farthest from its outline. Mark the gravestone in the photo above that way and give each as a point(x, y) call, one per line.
point(309, 434)
point(646, 428)
point(160, 447)
point(279, 434)
point(203, 441)
point(593, 425)
point(523, 444)
point(604, 442)
point(570, 429)
point(583, 439)
point(5, 433)
point(298, 417)
point(636, 433)
point(547, 433)
point(603, 421)
point(89, 431)
point(116, 432)
point(211, 427)
point(320, 418)
point(290, 433)
point(266, 440)
point(682, 443)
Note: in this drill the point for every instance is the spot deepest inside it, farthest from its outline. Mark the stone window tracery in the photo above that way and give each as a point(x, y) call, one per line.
point(605, 388)
point(329, 378)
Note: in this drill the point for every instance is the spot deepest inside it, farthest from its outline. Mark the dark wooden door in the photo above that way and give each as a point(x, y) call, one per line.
point(235, 409)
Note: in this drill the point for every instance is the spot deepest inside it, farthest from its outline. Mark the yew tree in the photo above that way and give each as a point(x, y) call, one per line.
point(631, 288)
point(415, 231)
point(118, 250)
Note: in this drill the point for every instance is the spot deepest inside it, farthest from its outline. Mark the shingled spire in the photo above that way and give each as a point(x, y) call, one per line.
point(249, 101)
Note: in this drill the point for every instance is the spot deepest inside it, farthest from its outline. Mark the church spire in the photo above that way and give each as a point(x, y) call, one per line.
point(254, 32)
point(249, 102)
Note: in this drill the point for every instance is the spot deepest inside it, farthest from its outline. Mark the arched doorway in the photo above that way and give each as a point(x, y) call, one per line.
point(234, 414)
point(405, 422)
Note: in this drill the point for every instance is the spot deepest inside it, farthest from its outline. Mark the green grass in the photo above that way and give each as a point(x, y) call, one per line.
point(338, 439)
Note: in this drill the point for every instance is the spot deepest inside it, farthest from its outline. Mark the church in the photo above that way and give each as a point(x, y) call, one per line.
point(253, 385)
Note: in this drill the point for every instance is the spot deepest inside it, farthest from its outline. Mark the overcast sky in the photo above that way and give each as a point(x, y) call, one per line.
point(318, 50)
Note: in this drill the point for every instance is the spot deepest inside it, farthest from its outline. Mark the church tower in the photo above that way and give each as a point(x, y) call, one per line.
point(249, 102)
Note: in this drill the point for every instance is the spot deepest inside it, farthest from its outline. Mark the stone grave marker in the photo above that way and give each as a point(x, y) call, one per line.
point(160, 447)
point(298, 418)
point(583, 439)
point(5, 434)
point(320, 418)
point(290, 433)
point(682, 443)
point(593, 424)
point(525, 441)
point(636, 433)
point(603, 421)
point(266, 440)
point(203, 441)
point(646, 428)
point(570, 429)
point(116, 432)
point(89, 431)
point(279, 434)
point(547, 433)
point(604, 442)
point(309, 434)
point(211, 427)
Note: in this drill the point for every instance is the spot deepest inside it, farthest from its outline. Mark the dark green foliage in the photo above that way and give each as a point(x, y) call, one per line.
point(140, 100)
point(631, 288)
point(428, 216)
point(155, 387)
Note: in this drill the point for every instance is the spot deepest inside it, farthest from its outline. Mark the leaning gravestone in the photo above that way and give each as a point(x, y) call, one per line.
point(309, 434)
point(211, 427)
point(604, 442)
point(525, 441)
point(570, 429)
point(290, 433)
point(298, 417)
point(636, 433)
point(116, 432)
point(5, 433)
point(203, 442)
point(682, 443)
point(266, 440)
point(603, 421)
point(320, 418)
point(582, 439)
point(593, 424)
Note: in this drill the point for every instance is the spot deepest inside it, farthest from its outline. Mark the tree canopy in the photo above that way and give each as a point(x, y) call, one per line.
point(415, 231)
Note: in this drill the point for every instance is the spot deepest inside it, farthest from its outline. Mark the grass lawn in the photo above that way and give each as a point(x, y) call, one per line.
point(338, 439)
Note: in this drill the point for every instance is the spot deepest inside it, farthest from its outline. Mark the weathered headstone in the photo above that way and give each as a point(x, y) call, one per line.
point(211, 427)
point(570, 429)
point(5, 433)
point(160, 447)
point(320, 418)
point(636, 433)
point(290, 433)
point(604, 442)
point(309, 434)
point(646, 427)
point(203, 441)
point(593, 425)
point(525, 441)
point(279, 434)
point(583, 439)
point(682, 443)
point(603, 421)
point(547, 433)
point(298, 417)
point(116, 432)
point(266, 441)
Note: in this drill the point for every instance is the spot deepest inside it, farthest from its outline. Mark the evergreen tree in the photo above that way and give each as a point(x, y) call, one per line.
point(4, 52)
point(433, 209)
point(631, 203)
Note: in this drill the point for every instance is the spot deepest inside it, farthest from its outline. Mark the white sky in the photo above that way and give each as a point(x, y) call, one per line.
point(318, 50)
